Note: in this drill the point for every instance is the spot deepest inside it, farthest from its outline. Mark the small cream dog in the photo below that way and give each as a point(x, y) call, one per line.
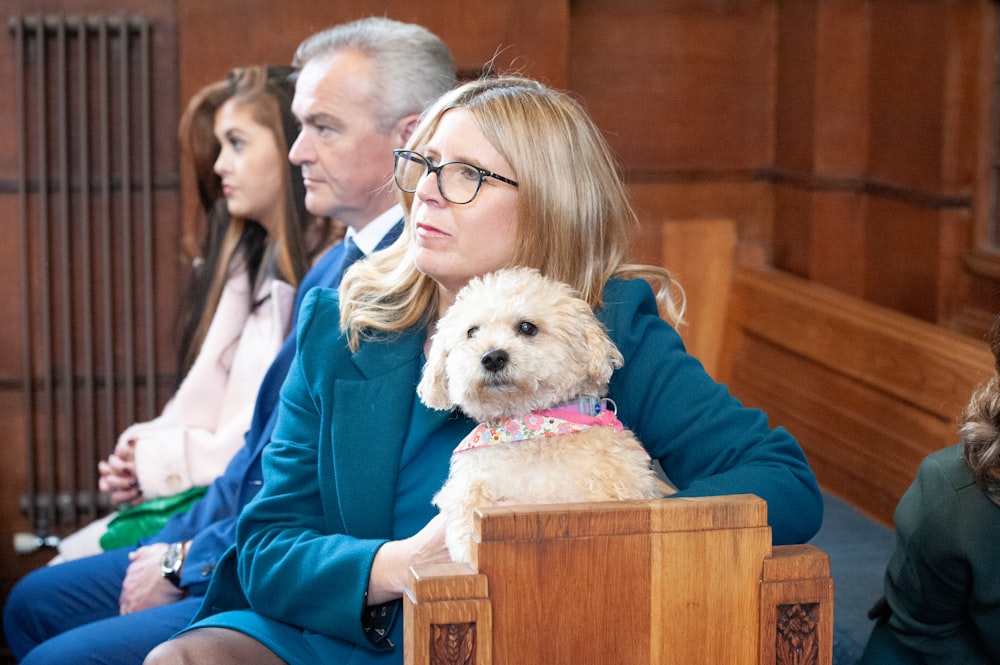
point(526, 358)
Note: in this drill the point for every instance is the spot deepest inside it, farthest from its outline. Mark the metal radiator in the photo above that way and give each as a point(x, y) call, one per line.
point(83, 104)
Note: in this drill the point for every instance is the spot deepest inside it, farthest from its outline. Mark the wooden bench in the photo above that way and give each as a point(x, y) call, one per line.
point(699, 254)
point(867, 391)
point(664, 582)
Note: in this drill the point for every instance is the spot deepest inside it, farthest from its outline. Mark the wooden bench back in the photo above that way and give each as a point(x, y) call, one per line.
point(699, 254)
point(660, 582)
point(867, 391)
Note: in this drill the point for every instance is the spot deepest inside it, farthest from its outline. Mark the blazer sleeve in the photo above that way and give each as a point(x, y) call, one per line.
point(210, 525)
point(929, 581)
point(290, 535)
point(707, 442)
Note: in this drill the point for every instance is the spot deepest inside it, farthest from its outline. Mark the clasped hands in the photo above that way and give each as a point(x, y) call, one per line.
point(118, 477)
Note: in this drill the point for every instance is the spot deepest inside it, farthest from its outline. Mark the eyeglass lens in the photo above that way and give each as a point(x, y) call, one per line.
point(458, 182)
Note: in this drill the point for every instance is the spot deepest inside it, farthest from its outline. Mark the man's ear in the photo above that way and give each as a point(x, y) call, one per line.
point(404, 128)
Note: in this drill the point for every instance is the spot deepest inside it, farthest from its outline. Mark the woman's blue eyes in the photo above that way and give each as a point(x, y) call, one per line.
point(469, 173)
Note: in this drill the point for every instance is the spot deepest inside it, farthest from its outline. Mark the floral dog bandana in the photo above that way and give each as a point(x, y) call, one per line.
point(569, 418)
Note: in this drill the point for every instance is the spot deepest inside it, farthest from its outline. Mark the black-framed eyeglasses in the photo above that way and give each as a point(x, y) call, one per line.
point(458, 182)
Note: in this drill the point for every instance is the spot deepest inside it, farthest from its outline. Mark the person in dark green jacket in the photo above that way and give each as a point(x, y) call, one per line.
point(942, 584)
point(499, 172)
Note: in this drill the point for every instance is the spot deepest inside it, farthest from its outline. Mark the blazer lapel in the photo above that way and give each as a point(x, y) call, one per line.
point(373, 416)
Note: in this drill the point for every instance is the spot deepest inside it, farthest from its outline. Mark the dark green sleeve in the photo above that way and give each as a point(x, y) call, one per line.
point(928, 580)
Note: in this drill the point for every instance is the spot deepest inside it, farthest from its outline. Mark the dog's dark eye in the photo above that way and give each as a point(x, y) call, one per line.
point(471, 332)
point(527, 328)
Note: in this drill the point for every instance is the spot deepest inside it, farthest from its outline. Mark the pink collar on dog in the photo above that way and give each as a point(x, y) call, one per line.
point(564, 419)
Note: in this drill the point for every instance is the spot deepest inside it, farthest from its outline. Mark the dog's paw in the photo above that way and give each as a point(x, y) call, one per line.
point(459, 549)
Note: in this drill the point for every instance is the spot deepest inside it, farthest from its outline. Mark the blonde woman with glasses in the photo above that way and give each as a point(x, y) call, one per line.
point(499, 172)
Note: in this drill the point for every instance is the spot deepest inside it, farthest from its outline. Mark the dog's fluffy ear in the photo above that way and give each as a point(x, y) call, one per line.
point(605, 357)
point(433, 386)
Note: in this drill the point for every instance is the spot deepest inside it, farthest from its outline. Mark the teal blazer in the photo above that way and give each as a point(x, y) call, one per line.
point(942, 584)
point(355, 459)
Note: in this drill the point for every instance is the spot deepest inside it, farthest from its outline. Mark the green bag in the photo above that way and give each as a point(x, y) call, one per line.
point(147, 518)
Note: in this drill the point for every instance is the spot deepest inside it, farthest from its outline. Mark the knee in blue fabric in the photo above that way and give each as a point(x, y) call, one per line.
point(54, 599)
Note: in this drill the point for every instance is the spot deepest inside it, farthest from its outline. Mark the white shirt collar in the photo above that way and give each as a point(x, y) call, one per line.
point(371, 235)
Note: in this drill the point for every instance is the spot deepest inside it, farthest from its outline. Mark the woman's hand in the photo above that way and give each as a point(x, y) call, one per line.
point(391, 566)
point(118, 476)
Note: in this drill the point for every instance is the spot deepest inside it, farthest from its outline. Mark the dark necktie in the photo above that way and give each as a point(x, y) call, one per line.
point(351, 253)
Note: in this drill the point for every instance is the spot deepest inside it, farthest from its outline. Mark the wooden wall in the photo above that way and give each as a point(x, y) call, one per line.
point(880, 122)
point(849, 139)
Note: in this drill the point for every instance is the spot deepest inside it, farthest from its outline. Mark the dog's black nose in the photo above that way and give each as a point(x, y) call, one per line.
point(495, 360)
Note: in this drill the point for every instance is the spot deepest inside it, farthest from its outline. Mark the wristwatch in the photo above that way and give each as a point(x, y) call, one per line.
point(172, 562)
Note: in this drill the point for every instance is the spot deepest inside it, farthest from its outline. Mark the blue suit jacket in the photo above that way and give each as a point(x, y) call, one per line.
point(211, 522)
point(355, 459)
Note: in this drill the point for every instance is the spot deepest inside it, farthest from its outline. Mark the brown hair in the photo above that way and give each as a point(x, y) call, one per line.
point(980, 430)
point(232, 244)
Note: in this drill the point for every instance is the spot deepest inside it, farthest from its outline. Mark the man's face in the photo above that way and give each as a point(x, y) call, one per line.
point(346, 163)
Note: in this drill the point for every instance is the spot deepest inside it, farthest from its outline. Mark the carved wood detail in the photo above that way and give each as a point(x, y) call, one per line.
point(453, 644)
point(797, 635)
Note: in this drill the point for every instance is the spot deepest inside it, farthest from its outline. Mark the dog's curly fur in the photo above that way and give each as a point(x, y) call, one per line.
point(515, 342)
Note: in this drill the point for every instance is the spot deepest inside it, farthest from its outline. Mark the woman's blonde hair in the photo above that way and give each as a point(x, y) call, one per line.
point(574, 217)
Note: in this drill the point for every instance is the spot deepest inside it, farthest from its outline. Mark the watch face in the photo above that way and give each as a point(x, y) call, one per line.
point(172, 559)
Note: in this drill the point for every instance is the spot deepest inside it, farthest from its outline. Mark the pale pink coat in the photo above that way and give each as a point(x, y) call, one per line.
point(203, 425)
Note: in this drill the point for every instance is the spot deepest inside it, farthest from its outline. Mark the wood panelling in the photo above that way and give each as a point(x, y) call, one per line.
point(700, 255)
point(792, 229)
point(678, 86)
point(902, 242)
point(11, 337)
point(795, 107)
point(749, 203)
point(908, 61)
point(841, 88)
point(880, 125)
point(836, 243)
point(12, 520)
point(964, 97)
point(532, 37)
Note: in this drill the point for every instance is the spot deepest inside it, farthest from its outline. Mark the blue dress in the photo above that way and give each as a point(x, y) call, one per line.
point(356, 458)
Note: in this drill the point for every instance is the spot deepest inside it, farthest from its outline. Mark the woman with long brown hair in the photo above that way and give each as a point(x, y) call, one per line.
point(236, 308)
